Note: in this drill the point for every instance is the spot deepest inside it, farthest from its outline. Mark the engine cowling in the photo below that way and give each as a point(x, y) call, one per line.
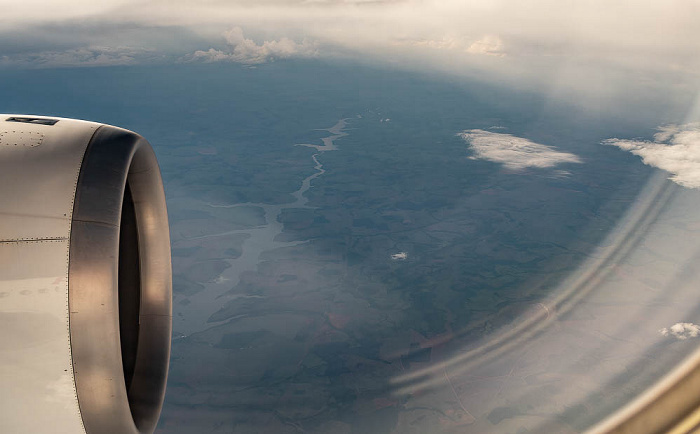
point(85, 278)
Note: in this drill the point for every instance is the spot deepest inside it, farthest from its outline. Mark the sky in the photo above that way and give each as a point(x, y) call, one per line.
point(593, 50)
point(592, 53)
point(523, 38)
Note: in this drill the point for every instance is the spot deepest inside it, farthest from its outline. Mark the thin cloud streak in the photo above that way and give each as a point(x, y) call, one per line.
point(84, 56)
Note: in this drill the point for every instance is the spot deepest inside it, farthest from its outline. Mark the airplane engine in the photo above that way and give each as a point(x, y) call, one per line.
point(85, 278)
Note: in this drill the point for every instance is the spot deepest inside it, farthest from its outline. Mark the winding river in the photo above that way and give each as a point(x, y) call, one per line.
point(193, 317)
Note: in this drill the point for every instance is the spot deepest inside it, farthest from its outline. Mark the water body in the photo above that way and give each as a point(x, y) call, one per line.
point(193, 317)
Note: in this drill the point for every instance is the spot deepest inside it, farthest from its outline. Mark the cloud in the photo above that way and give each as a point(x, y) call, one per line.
point(445, 42)
point(682, 330)
point(515, 153)
point(84, 56)
point(675, 149)
point(245, 50)
point(341, 2)
point(490, 45)
point(648, 31)
point(635, 50)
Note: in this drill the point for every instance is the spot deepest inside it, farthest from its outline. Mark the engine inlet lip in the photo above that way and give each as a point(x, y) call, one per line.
point(115, 163)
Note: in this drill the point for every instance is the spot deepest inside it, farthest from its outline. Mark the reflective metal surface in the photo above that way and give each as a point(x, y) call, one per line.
point(86, 303)
point(114, 159)
point(36, 202)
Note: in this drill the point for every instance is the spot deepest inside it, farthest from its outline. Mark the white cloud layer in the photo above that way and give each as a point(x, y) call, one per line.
point(675, 149)
point(515, 153)
point(594, 52)
point(245, 50)
point(84, 56)
point(490, 45)
point(682, 330)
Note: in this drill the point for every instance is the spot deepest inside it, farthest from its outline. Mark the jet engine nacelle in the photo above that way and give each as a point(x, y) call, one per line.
point(85, 278)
